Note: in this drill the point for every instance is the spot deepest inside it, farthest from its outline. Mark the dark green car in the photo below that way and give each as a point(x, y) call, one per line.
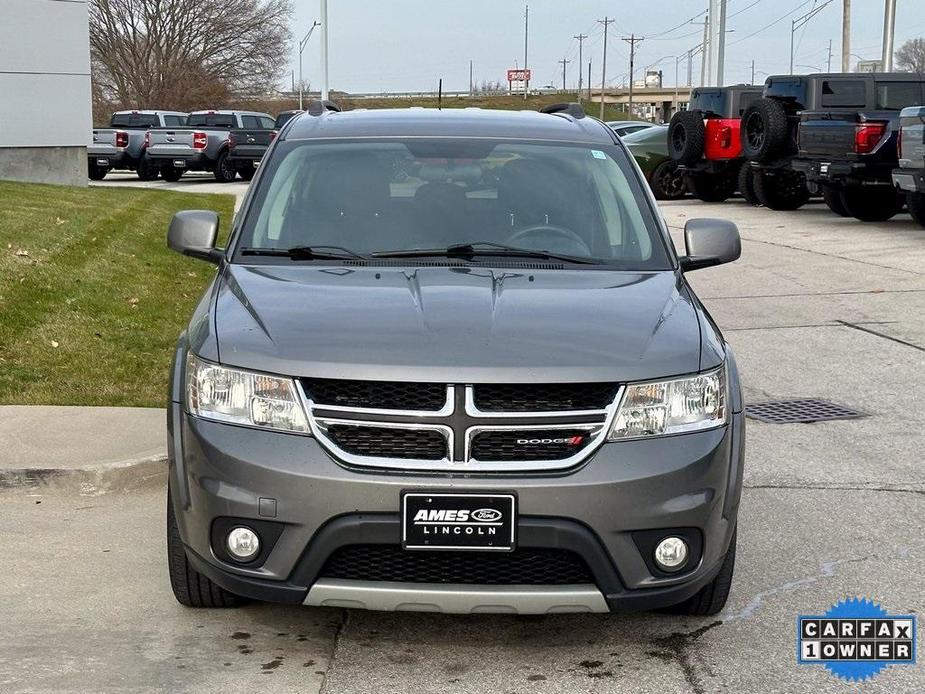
point(650, 149)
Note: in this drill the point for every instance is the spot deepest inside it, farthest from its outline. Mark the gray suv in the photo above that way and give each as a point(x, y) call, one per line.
point(450, 361)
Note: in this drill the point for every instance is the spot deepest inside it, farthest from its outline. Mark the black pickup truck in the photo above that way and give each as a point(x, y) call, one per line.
point(850, 145)
point(247, 145)
point(786, 140)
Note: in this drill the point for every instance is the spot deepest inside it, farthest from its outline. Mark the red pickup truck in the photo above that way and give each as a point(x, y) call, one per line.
point(705, 142)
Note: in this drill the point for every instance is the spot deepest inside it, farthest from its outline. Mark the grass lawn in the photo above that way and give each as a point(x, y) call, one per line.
point(91, 300)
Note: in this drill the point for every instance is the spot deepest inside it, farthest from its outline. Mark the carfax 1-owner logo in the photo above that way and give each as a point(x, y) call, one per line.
point(856, 639)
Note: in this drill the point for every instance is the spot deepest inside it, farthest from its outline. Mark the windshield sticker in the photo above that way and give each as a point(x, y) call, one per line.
point(598, 154)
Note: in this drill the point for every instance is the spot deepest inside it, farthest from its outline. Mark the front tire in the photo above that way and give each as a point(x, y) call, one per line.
point(711, 599)
point(711, 187)
point(190, 587)
point(916, 204)
point(667, 181)
point(747, 185)
point(147, 170)
point(871, 204)
point(247, 173)
point(781, 189)
point(224, 170)
point(96, 173)
point(832, 197)
point(171, 174)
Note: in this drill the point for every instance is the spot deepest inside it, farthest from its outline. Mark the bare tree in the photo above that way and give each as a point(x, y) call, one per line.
point(911, 56)
point(187, 54)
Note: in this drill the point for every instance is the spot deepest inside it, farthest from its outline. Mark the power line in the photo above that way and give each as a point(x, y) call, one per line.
point(776, 21)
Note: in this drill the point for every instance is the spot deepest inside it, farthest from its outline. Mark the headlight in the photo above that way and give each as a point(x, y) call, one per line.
point(672, 407)
point(242, 397)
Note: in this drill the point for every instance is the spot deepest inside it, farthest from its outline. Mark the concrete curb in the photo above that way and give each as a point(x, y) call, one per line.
point(122, 476)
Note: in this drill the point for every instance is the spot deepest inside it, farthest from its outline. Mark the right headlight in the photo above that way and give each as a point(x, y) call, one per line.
point(243, 397)
point(673, 406)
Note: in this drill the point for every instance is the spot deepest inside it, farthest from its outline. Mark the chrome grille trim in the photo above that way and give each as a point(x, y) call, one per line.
point(319, 421)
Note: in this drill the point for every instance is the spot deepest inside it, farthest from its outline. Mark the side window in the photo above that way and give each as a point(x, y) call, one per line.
point(844, 93)
point(250, 122)
point(894, 96)
point(267, 123)
point(173, 121)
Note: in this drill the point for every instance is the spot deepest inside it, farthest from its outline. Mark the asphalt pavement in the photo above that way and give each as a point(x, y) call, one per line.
point(818, 307)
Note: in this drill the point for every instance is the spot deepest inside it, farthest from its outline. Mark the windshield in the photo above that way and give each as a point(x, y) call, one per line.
point(422, 193)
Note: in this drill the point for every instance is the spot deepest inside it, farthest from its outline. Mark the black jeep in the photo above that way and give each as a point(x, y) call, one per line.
point(827, 131)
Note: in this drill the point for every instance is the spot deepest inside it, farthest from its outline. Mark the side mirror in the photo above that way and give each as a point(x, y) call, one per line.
point(710, 242)
point(193, 233)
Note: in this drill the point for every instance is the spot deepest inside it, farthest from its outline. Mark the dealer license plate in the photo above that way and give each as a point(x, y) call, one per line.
point(459, 521)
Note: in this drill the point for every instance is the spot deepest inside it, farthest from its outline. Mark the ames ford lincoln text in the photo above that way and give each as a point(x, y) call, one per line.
point(451, 361)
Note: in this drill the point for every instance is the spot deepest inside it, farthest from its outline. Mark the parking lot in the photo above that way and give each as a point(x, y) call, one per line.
point(817, 307)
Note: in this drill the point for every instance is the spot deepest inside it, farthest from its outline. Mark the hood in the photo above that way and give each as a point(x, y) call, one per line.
point(456, 324)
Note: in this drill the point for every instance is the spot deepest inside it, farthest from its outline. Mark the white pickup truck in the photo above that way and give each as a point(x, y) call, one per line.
point(203, 145)
point(123, 145)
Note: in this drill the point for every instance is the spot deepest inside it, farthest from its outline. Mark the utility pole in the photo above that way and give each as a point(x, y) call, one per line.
point(717, 42)
point(690, 66)
point(302, 44)
point(846, 36)
point(589, 80)
point(563, 63)
point(889, 29)
point(470, 78)
point(753, 72)
point(526, 43)
point(632, 41)
point(581, 62)
point(829, 64)
point(606, 22)
point(704, 55)
point(324, 50)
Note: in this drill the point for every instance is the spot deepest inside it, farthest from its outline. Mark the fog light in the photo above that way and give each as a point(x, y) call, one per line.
point(243, 543)
point(671, 553)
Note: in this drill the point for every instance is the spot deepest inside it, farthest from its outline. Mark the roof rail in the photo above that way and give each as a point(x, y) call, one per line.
point(573, 109)
point(318, 107)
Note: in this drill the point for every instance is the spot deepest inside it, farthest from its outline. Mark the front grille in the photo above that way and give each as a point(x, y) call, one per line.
point(389, 442)
point(383, 395)
point(550, 444)
point(523, 566)
point(543, 397)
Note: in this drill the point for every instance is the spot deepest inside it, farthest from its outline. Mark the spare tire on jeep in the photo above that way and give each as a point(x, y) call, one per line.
point(686, 137)
point(765, 131)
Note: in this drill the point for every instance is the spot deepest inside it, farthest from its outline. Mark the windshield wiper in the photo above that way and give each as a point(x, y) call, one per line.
point(483, 248)
point(307, 253)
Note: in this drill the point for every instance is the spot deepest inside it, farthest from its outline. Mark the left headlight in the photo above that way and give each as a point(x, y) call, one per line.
point(243, 397)
point(673, 406)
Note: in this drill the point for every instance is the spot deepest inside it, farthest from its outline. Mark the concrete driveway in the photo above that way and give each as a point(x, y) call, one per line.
point(818, 306)
point(192, 182)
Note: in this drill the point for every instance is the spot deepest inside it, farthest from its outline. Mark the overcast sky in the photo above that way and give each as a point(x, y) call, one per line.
point(407, 45)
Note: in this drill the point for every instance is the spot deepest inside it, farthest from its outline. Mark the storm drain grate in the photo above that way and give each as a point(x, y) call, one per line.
point(799, 411)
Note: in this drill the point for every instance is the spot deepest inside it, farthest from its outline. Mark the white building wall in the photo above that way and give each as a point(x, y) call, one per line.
point(45, 102)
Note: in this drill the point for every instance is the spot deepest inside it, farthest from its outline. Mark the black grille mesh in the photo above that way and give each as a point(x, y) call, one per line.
point(388, 442)
point(385, 395)
point(524, 397)
point(523, 566)
point(553, 444)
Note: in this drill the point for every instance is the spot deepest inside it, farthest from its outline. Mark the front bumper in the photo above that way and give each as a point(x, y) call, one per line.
point(909, 180)
point(688, 481)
